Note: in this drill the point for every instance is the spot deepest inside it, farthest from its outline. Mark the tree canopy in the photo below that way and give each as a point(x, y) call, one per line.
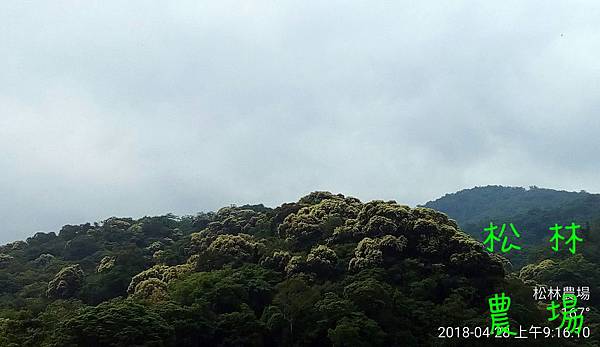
point(327, 270)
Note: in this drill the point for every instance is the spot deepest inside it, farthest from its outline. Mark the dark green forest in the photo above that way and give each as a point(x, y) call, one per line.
point(531, 210)
point(327, 270)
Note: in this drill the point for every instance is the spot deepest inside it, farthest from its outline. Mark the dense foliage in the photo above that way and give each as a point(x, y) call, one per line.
point(531, 210)
point(327, 270)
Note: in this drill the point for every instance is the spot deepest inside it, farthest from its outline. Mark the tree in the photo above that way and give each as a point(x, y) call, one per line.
point(161, 272)
point(277, 261)
point(240, 328)
point(357, 330)
point(322, 260)
point(295, 299)
point(66, 283)
point(234, 250)
point(151, 290)
point(312, 223)
point(115, 323)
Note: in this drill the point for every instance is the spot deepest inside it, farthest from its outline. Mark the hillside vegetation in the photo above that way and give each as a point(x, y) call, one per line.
point(327, 270)
point(533, 211)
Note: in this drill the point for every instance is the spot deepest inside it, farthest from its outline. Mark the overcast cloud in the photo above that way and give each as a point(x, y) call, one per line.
point(142, 108)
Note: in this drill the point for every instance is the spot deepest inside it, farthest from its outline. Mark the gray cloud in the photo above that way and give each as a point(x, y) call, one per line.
point(141, 108)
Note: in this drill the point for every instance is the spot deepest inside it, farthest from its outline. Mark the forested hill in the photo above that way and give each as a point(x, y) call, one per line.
point(531, 210)
point(473, 205)
point(327, 270)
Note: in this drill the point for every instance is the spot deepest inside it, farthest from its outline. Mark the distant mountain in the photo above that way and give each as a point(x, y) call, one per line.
point(532, 210)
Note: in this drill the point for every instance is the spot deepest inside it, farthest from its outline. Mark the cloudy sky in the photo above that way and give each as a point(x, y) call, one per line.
point(143, 108)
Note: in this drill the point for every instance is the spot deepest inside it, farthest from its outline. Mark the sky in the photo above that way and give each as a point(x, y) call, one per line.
point(113, 108)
